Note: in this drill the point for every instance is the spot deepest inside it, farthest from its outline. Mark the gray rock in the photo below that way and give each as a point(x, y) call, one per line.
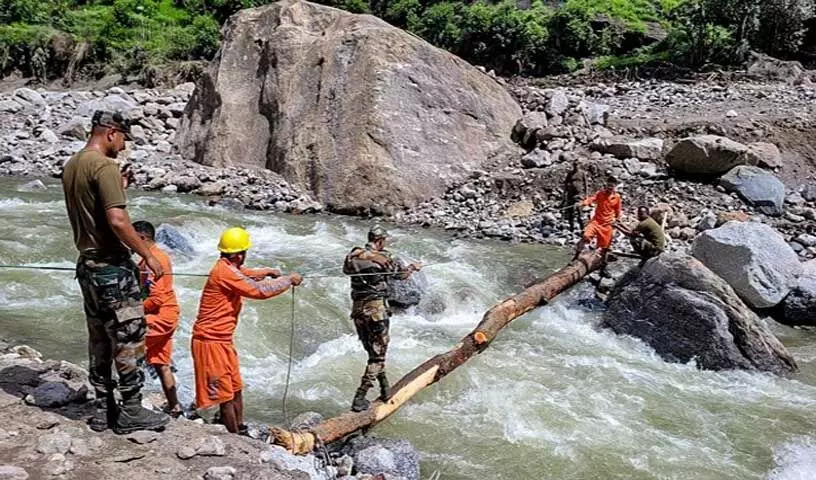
point(795, 198)
point(29, 96)
point(220, 473)
point(211, 446)
point(139, 135)
point(806, 239)
point(377, 455)
point(632, 165)
point(212, 188)
point(143, 436)
point(32, 186)
point(10, 106)
point(185, 183)
point(11, 472)
point(763, 154)
point(595, 113)
point(799, 307)
point(413, 117)
point(163, 146)
point(708, 222)
point(643, 149)
point(283, 460)
point(526, 128)
point(48, 136)
point(536, 159)
point(558, 103)
point(686, 312)
point(170, 189)
point(706, 155)
point(765, 67)
point(753, 258)
point(53, 394)
point(186, 452)
point(110, 103)
point(809, 192)
point(409, 292)
point(51, 443)
point(175, 241)
point(76, 127)
point(756, 187)
point(79, 447)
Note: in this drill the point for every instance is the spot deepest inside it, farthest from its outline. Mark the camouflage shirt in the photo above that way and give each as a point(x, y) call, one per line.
point(370, 262)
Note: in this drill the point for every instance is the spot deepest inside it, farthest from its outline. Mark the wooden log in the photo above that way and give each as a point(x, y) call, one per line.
point(435, 368)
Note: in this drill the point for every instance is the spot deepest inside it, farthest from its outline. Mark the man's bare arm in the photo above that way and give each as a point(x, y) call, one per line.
point(119, 221)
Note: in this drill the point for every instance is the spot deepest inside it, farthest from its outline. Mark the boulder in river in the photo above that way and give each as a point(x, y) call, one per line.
point(384, 456)
point(336, 101)
point(407, 293)
point(799, 307)
point(686, 312)
point(757, 187)
point(173, 239)
point(706, 155)
point(753, 258)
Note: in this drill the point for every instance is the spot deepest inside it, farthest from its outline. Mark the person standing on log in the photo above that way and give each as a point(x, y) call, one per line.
point(371, 268)
point(162, 313)
point(109, 279)
point(575, 189)
point(215, 360)
point(608, 209)
point(647, 238)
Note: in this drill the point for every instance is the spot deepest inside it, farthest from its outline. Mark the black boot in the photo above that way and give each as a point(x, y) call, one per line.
point(360, 403)
point(133, 416)
point(106, 411)
point(384, 386)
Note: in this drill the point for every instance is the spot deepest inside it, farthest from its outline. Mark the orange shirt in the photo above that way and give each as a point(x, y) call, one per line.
point(608, 206)
point(162, 300)
point(221, 299)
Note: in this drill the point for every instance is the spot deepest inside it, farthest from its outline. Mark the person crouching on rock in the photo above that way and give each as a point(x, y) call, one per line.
point(162, 314)
point(371, 268)
point(608, 208)
point(647, 238)
point(215, 361)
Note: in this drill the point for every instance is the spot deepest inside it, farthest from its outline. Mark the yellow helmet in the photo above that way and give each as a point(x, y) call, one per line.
point(234, 240)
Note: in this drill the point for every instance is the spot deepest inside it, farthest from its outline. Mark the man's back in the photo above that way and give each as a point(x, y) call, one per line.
point(365, 264)
point(92, 184)
point(652, 232)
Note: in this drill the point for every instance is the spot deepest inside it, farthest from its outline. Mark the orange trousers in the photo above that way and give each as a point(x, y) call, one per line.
point(217, 374)
point(603, 233)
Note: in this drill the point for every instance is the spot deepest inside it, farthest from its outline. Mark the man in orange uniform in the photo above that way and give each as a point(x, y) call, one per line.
point(607, 211)
point(217, 376)
point(162, 314)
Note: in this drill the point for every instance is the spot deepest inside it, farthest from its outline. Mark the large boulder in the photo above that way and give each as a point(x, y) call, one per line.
point(707, 155)
point(799, 307)
point(765, 67)
point(364, 115)
point(172, 239)
point(407, 293)
point(757, 188)
point(643, 149)
point(375, 456)
point(753, 258)
point(686, 312)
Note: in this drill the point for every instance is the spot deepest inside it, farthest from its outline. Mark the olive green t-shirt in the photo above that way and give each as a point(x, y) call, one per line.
point(92, 184)
point(652, 232)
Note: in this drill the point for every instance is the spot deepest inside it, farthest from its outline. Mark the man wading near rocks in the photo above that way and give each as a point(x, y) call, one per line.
point(575, 189)
point(215, 361)
point(371, 268)
point(162, 313)
point(647, 238)
point(608, 209)
point(109, 279)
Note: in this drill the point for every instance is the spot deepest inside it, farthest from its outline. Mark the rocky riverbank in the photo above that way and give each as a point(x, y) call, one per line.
point(44, 405)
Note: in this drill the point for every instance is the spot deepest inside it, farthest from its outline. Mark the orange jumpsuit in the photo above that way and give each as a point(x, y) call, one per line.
point(161, 311)
point(217, 376)
point(607, 210)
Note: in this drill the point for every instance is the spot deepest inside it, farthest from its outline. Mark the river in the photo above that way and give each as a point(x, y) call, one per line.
point(554, 397)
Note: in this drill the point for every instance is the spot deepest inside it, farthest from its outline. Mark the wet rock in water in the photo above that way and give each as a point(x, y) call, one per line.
point(686, 312)
point(32, 186)
point(384, 456)
point(407, 293)
point(799, 307)
point(283, 460)
point(706, 155)
point(173, 239)
point(757, 187)
point(753, 258)
point(11, 472)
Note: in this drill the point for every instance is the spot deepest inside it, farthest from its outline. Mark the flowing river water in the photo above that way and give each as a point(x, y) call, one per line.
point(555, 397)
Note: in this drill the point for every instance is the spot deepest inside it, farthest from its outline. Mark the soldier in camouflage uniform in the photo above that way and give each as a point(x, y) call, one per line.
point(108, 277)
point(371, 268)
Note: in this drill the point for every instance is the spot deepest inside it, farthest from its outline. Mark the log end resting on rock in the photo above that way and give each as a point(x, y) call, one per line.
point(433, 369)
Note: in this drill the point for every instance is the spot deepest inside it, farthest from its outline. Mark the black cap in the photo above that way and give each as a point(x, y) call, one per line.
point(114, 120)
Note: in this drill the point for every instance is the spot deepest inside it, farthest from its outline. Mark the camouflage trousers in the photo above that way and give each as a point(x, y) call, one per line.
point(116, 323)
point(371, 322)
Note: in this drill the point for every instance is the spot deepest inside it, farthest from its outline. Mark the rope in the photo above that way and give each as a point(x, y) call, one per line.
point(291, 351)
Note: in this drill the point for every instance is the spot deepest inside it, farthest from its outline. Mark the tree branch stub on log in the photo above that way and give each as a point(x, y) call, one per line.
point(435, 368)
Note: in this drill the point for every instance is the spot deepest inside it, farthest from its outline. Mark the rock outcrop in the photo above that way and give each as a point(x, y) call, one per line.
point(686, 312)
point(753, 258)
point(757, 187)
point(366, 116)
point(706, 155)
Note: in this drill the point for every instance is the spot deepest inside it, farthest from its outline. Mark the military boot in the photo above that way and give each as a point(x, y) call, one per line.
point(360, 403)
point(384, 386)
point(133, 416)
point(106, 411)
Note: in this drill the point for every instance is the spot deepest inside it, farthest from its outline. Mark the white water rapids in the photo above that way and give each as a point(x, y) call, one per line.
point(554, 397)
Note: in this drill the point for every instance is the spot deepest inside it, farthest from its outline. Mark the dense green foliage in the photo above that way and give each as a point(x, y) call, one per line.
point(42, 37)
